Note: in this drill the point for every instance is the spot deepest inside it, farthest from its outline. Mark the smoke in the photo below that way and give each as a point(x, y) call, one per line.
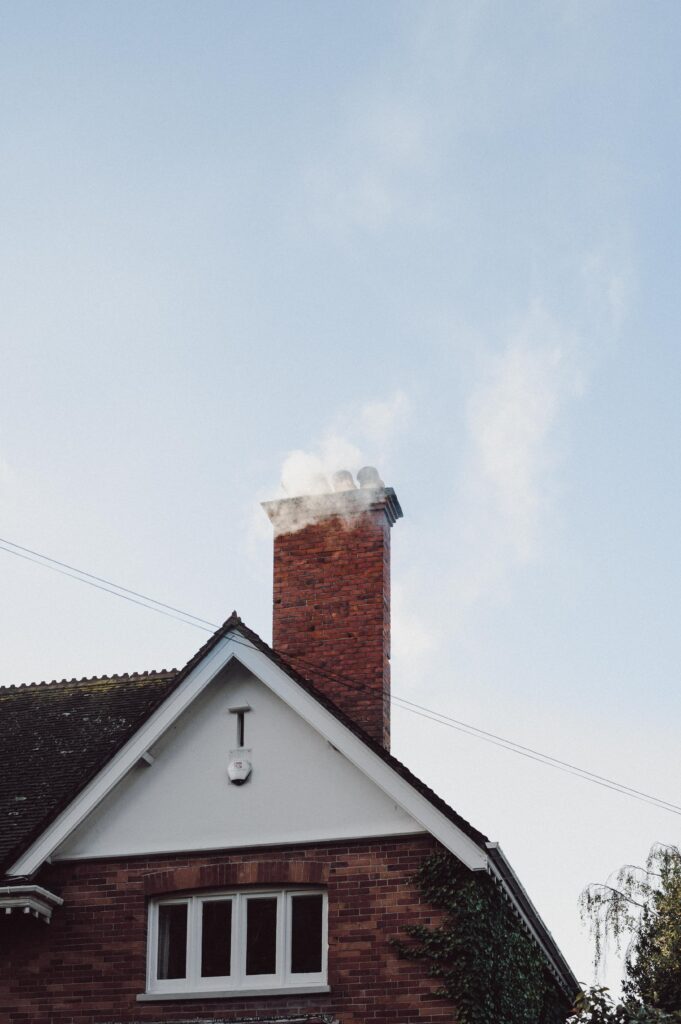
point(358, 436)
point(310, 472)
point(307, 478)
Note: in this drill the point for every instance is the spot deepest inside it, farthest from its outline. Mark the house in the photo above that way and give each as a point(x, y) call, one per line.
point(233, 841)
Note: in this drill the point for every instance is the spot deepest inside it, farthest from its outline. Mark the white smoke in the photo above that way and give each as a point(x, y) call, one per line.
point(311, 472)
point(357, 437)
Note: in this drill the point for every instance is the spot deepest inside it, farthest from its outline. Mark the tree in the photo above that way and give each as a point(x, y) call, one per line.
point(643, 905)
point(596, 1007)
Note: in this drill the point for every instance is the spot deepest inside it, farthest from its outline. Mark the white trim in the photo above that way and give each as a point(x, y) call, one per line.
point(233, 993)
point(358, 753)
point(121, 763)
point(309, 709)
point(295, 839)
point(29, 899)
point(238, 981)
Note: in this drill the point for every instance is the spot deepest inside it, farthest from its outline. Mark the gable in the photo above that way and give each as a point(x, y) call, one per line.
point(301, 787)
point(234, 642)
point(105, 771)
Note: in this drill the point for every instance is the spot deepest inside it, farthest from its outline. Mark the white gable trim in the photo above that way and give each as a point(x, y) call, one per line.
point(354, 749)
point(359, 754)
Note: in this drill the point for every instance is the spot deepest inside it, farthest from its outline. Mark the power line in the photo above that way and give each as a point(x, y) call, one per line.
point(511, 745)
point(106, 585)
point(180, 615)
point(483, 733)
point(545, 759)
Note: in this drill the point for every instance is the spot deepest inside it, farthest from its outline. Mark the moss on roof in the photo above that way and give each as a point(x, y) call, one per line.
point(55, 736)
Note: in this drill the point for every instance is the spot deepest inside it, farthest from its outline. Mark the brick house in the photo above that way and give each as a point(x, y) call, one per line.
point(233, 841)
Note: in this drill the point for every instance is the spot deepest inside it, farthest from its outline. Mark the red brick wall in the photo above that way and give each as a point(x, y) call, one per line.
point(332, 612)
point(89, 964)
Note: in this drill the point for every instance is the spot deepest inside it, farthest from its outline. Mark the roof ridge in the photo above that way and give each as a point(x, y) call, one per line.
point(152, 673)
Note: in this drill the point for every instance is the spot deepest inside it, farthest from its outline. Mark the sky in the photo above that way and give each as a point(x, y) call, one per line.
point(243, 243)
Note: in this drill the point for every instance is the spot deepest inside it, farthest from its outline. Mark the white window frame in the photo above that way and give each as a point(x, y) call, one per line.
point(238, 982)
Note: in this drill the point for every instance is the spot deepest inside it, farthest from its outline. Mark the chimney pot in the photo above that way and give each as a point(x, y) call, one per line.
point(342, 481)
point(369, 479)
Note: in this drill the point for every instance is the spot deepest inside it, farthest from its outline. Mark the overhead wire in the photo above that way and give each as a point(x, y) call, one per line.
point(187, 618)
point(550, 762)
point(520, 748)
point(87, 577)
point(511, 745)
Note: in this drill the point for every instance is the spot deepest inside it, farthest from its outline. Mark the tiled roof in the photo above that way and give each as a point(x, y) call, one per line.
point(54, 737)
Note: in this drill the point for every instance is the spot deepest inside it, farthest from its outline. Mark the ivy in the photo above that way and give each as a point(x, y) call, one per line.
point(488, 966)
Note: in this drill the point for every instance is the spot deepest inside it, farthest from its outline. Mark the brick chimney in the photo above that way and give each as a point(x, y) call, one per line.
point(332, 593)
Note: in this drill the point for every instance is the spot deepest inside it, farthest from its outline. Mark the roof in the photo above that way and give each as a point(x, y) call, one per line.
point(56, 737)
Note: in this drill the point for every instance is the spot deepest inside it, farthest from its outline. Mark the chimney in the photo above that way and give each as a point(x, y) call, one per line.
point(332, 593)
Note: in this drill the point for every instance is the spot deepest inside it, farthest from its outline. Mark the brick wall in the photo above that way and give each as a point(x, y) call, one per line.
point(89, 964)
point(332, 611)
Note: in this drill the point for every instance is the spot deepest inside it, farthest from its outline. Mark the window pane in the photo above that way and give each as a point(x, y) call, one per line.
point(216, 939)
point(261, 936)
point(172, 940)
point(306, 934)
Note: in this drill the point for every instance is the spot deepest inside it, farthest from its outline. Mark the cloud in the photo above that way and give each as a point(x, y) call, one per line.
point(511, 416)
point(607, 278)
point(413, 637)
point(512, 450)
point(368, 179)
point(382, 420)
point(7, 480)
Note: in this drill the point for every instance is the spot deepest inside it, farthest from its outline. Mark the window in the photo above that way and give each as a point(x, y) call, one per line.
point(237, 941)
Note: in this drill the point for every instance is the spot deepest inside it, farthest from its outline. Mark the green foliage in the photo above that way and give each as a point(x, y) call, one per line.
point(643, 905)
point(596, 1007)
point(489, 967)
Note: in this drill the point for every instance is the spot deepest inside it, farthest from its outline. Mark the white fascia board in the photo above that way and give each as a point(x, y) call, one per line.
point(359, 754)
point(8, 891)
point(28, 899)
point(309, 709)
point(121, 763)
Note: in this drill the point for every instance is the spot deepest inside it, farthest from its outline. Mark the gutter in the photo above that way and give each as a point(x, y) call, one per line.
point(29, 899)
point(500, 869)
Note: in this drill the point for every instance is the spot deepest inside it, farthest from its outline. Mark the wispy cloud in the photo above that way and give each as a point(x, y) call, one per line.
point(367, 179)
point(7, 481)
point(512, 414)
point(608, 280)
point(507, 487)
point(501, 514)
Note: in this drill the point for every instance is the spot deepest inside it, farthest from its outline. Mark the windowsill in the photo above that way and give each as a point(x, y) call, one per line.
point(234, 993)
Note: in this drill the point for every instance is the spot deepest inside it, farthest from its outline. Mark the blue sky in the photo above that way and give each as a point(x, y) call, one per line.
point(245, 242)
